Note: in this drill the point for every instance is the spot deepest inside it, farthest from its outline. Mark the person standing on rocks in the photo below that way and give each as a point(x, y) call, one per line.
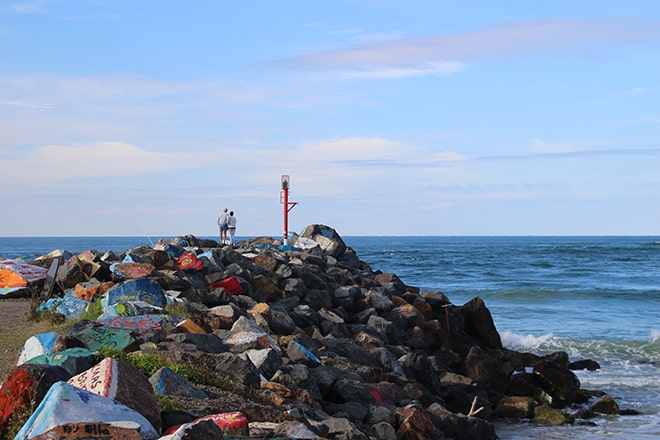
point(231, 227)
point(222, 225)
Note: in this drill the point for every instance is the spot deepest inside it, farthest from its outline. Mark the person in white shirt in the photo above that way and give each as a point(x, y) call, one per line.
point(231, 228)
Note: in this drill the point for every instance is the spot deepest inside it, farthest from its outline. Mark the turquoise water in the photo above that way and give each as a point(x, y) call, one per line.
point(593, 297)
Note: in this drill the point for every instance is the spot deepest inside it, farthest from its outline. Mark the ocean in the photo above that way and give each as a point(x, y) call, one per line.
point(593, 297)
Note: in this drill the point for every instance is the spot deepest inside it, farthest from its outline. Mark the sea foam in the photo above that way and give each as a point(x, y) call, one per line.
point(525, 342)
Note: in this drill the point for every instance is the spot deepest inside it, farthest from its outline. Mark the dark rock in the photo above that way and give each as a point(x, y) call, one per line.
point(173, 417)
point(208, 343)
point(517, 407)
point(479, 323)
point(203, 429)
point(605, 405)
point(459, 426)
point(584, 364)
point(561, 383)
point(546, 415)
point(415, 424)
point(558, 357)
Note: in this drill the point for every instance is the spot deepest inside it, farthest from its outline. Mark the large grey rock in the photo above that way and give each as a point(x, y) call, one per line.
point(327, 238)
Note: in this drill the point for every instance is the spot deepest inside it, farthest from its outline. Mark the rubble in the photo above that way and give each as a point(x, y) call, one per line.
point(309, 341)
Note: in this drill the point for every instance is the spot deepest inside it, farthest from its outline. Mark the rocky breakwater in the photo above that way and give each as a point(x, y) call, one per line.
point(308, 340)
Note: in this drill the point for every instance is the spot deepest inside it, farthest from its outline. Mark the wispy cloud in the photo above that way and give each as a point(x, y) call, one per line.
point(86, 17)
point(544, 147)
point(506, 40)
point(26, 105)
point(576, 149)
point(437, 68)
point(102, 159)
point(31, 7)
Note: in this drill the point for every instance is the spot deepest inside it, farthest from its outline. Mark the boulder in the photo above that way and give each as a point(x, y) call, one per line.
point(73, 360)
point(479, 323)
point(327, 239)
point(139, 323)
point(25, 387)
point(141, 289)
point(72, 307)
point(233, 423)
point(202, 429)
point(605, 405)
point(66, 405)
point(584, 364)
point(96, 336)
point(122, 382)
point(37, 345)
point(458, 426)
point(561, 383)
point(167, 382)
point(415, 424)
point(518, 407)
point(547, 415)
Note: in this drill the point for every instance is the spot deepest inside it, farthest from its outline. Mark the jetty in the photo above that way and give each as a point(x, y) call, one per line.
point(189, 339)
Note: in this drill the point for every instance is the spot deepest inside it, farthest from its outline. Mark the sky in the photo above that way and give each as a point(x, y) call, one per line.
point(416, 117)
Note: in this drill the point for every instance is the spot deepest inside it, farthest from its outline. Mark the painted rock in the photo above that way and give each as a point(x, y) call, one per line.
point(121, 381)
point(140, 289)
point(166, 381)
point(66, 405)
point(37, 345)
point(73, 360)
point(26, 385)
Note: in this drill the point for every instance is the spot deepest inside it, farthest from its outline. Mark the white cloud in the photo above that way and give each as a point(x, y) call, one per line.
point(506, 40)
point(57, 162)
point(26, 105)
point(434, 68)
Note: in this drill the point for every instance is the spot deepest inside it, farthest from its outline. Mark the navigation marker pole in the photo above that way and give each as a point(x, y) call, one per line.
point(288, 206)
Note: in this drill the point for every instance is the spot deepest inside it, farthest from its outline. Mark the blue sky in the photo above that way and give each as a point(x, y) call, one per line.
point(422, 117)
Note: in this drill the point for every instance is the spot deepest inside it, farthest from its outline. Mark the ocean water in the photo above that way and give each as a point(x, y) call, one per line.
point(593, 297)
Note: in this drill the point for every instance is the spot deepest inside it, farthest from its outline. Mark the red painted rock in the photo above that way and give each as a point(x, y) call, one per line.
point(121, 381)
point(231, 285)
point(26, 385)
point(133, 270)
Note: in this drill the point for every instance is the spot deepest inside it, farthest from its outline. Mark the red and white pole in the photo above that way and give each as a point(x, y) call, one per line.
point(288, 206)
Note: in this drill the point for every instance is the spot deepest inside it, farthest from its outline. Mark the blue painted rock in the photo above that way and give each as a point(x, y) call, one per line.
point(140, 289)
point(72, 307)
point(37, 345)
point(166, 381)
